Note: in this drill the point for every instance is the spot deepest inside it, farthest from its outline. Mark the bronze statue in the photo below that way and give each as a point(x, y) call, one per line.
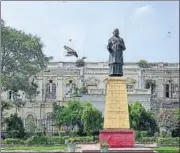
point(116, 47)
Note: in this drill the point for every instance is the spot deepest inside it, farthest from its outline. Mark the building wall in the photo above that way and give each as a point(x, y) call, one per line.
point(95, 75)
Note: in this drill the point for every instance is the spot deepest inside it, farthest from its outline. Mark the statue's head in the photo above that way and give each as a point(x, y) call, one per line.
point(116, 32)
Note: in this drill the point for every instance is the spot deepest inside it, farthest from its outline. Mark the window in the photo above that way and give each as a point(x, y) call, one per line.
point(69, 88)
point(167, 90)
point(174, 90)
point(130, 88)
point(49, 122)
point(48, 90)
point(9, 95)
point(53, 91)
point(30, 123)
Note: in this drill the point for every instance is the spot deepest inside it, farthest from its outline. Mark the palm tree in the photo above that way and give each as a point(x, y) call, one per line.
point(80, 62)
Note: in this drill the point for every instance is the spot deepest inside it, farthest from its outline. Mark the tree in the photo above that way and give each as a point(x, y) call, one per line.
point(58, 117)
point(169, 119)
point(15, 126)
point(76, 109)
point(22, 57)
point(5, 105)
point(140, 119)
point(143, 64)
point(84, 115)
point(80, 62)
point(92, 119)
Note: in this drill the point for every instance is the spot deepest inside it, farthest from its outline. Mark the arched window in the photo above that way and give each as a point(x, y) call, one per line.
point(49, 122)
point(48, 90)
point(53, 91)
point(30, 123)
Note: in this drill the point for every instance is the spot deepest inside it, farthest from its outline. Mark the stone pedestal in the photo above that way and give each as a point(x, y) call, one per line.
point(116, 116)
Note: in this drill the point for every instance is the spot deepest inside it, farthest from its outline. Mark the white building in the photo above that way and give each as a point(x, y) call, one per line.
point(59, 81)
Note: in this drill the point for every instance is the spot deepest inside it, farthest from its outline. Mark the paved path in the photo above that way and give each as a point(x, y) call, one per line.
point(97, 147)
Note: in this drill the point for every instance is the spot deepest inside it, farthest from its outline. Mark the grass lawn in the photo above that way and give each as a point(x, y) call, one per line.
point(37, 148)
point(167, 149)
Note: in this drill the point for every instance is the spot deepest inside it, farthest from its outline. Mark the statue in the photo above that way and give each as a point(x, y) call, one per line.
point(116, 47)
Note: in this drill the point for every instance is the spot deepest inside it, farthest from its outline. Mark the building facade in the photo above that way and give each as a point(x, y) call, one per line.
point(155, 87)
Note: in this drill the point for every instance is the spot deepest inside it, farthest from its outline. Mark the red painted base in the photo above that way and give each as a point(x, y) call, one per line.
point(118, 138)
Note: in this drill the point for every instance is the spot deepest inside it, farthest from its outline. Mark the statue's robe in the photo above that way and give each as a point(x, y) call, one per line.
point(116, 47)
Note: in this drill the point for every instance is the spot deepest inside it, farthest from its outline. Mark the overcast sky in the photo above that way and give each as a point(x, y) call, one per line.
point(143, 25)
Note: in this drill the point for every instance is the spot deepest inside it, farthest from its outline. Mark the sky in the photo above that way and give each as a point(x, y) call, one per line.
point(144, 26)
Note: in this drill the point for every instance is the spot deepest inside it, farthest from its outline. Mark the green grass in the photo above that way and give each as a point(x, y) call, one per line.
point(167, 149)
point(37, 148)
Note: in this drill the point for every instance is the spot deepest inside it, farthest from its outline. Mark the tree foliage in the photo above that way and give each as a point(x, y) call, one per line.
point(143, 64)
point(15, 126)
point(5, 105)
point(22, 57)
point(169, 118)
point(92, 119)
point(140, 119)
point(80, 62)
point(83, 115)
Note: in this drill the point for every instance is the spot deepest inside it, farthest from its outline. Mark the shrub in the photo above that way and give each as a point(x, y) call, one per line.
point(148, 140)
point(13, 141)
point(168, 141)
point(62, 133)
point(81, 139)
point(59, 140)
point(73, 133)
point(156, 134)
point(96, 138)
point(39, 140)
point(164, 134)
point(144, 134)
point(55, 134)
point(137, 135)
point(39, 134)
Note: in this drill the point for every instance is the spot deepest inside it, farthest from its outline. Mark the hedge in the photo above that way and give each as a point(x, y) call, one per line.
point(13, 141)
point(147, 140)
point(168, 141)
point(160, 141)
point(47, 140)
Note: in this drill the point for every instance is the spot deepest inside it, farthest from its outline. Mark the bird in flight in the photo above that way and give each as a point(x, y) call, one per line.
point(169, 34)
point(70, 51)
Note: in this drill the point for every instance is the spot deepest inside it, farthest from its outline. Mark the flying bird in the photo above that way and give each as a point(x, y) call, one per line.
point(169, 34)
point(70, 51)
point(84, 58)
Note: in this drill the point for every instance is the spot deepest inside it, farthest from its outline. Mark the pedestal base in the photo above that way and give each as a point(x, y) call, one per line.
point(118, 138)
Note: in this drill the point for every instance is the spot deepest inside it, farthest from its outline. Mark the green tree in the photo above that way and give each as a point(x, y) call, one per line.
point(143, 64)
point(140, 119)
point(80, 62)
point(15, 126)
point(5, 105)
point(22, 58)
point(58, 116)
point(76, 109)
point(92, 119)
point(76, 113)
